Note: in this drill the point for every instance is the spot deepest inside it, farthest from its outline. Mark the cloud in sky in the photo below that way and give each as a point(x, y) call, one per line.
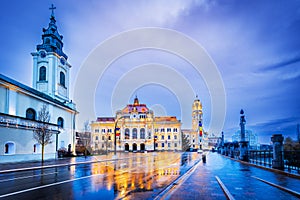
point(255, 45)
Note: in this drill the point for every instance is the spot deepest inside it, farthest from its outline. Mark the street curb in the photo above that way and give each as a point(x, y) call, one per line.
point(162, 194)
point(292, 192)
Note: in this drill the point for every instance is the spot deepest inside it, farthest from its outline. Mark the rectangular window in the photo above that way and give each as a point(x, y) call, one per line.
point(169, 144)
point(174, 129)
point(156, 144)
point(96, 130)
point(169, 129)
point(103, 137)
point(109, 130)
point(162, 144)
point(169, 137)
point(162, 137)
point(175, 144)
point(175, 137)
point(103, 130)
point(109, 138)
point(162, 130)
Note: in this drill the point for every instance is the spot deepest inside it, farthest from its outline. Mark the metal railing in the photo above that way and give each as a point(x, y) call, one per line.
point(291, 160)
point(261, 157)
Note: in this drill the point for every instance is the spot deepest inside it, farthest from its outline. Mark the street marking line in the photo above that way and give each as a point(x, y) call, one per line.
point(49, 185)
point(24, 177)
point(297, 194)
point(67, 164)
point(226, 191)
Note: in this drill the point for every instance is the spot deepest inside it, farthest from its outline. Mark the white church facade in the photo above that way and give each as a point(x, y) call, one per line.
point(20, 104)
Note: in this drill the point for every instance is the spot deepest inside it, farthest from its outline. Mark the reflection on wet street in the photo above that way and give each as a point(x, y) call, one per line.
point(137, 176)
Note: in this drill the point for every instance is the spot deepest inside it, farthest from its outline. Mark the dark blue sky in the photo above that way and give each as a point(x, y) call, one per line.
point(255, 45)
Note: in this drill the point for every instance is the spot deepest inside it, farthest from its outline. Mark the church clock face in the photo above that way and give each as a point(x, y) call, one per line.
point(43, 54)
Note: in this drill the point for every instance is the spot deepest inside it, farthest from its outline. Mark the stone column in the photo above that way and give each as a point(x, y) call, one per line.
point(243, 143)
point(277, 161)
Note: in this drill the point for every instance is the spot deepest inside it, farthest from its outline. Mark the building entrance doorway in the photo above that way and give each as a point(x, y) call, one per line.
point(134, 147)
point(126, 147)
point(142, 147)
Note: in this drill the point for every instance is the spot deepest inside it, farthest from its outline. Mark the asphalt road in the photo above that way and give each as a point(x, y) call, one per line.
point(132, 175)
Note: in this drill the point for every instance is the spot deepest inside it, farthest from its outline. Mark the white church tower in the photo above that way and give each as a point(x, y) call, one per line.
point(51, 70)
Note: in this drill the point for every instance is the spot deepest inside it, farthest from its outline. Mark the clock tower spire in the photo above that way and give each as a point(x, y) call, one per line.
point(50, 65)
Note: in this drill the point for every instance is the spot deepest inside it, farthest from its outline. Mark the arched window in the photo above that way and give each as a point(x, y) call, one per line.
point(134, 133)
point(47, 41)
point(142, 133)
point(127, 133)
point(9, 148)
point(60, 122)
point(42, 73)
point(30, 114)
point(62, 79)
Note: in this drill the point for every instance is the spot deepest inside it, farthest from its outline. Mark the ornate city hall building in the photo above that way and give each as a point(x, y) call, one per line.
point(137, 129)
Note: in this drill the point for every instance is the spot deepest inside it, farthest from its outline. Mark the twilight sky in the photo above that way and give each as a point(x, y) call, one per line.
point(254, 44)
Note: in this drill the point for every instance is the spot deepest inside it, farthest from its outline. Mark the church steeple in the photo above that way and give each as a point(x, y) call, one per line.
point(51, 70)
point(52, 40)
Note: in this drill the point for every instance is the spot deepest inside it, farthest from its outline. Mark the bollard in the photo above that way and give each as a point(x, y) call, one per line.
point(204, 158)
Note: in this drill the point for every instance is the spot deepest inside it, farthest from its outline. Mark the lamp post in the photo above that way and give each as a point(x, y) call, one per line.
point(115, 135)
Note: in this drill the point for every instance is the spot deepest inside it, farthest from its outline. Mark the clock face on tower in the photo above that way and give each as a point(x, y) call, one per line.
point(43, 54)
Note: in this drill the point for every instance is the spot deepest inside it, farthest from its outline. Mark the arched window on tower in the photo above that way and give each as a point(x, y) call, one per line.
point(42, 73)
point(30, 114)
point(62, 79)
point(47, 41)
point(60, 122)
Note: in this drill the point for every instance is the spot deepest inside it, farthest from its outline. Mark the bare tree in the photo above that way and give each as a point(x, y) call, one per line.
point(87, 141)
point(185, 142)
point(42, 134)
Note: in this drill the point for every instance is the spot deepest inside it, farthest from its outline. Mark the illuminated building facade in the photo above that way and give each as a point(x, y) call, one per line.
point(137, 129)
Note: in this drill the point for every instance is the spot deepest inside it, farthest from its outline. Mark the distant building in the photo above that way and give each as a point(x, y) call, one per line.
point(213, 141)
point(249, 137)
point(83, 140)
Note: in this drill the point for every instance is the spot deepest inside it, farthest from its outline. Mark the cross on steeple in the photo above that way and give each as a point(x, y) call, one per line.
point(52, 8)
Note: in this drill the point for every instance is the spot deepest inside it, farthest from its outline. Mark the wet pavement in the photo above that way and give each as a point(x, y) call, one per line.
point(238, 178)
point(131, 176)
point(143, 176)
